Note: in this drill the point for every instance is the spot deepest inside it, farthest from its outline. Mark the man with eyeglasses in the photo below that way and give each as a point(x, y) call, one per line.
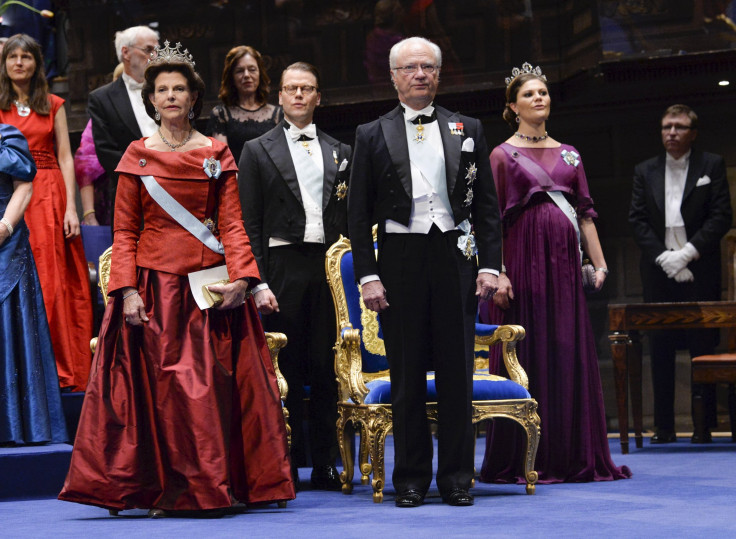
point(117, 110)
point(293, 187)
point(680, 210)
point(422, 173)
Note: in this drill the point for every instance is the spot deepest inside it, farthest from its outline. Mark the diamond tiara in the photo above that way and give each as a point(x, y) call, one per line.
point(526, 67)
point(171, 54)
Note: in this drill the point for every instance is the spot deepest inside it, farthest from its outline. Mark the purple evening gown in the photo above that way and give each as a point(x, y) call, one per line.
point(543, 263)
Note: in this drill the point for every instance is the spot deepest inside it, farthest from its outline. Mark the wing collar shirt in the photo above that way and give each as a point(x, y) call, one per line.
point(675, 174)
point(146, 124)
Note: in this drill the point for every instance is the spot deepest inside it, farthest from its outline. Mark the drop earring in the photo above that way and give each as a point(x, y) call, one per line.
point(518, 120)
point(157, 116)
point(191, 113)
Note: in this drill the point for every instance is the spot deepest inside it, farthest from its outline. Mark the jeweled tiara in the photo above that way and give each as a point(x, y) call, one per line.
point(526, 67)
point(171, 54)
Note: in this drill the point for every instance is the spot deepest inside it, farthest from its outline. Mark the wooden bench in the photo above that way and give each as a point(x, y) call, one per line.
point(714, 369)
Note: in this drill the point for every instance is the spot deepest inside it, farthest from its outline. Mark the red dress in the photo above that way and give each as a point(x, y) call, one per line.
point(184, 412)
point(62, 266)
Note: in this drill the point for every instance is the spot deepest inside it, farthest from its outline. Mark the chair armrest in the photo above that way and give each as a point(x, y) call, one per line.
point(276, 341)
point(508, 336)
point(349, 366)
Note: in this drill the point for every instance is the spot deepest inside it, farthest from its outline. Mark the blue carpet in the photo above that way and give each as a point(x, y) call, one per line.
point(678, 490)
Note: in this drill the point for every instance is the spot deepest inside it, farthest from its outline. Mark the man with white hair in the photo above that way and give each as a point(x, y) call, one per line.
point(419, 172)
point(117, 110)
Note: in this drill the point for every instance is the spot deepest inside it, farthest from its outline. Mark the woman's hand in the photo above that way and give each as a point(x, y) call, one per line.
point(71, 224)
point(233, 294)
point(134, 311)
point(505, 292)
point(600, 278)
point(90, 219)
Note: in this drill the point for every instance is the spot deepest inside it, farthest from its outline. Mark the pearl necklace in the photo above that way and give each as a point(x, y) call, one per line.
point(530, 139)
point(23, 110)
point(175, 146)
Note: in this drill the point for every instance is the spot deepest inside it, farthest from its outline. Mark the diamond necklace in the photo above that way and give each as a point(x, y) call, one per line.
point(175, 146)
point(23, 110)
point(531, 139)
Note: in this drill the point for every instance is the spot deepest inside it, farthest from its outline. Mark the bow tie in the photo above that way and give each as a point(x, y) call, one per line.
point(424, 119)
point(427, 115)
point(135, 86)
point(310, 132)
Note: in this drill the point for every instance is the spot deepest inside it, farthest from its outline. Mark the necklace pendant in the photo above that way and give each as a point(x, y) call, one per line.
point(419, 137)
point(23, 110)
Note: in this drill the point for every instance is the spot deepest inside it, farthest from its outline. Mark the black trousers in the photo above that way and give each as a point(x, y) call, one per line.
point(429, 325)
point(296, 275)
point(664, 344)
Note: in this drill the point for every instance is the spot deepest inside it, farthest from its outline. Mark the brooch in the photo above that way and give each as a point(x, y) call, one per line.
point(212, 168)
point(341, 190)
point(456, 128)
point(472, 171)
point(468, 196)
point(142, 162)
point(466, 242)
point(571, 158)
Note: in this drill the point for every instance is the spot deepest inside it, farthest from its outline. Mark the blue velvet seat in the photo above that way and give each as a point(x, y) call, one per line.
point(364, 388)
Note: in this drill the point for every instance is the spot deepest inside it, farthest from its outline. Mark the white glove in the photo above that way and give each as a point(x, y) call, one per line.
point(672, 262)
point(685, 276)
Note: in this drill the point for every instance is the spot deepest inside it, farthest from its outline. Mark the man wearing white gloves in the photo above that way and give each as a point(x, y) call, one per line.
point(680, 210)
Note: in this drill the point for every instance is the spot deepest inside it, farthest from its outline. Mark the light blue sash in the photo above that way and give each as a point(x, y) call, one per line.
point(309, 174)
point(181, 215)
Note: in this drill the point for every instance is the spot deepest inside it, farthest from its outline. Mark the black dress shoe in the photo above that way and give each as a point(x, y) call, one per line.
point(325, 477)
point(663, 437)
point(458, 497)
point(706, 438)
point(409, 498)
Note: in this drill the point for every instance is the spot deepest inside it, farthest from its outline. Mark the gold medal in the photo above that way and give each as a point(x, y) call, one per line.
point(419, 137)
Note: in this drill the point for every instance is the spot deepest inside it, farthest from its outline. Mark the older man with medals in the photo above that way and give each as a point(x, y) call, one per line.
point(420, 171)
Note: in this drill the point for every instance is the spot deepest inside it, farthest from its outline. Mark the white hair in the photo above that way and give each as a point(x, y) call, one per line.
point(128, 37)
point(396, 50)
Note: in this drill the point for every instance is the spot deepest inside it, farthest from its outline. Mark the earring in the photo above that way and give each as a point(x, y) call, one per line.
point(518, 120)
point(191, 113)
point(157, 116)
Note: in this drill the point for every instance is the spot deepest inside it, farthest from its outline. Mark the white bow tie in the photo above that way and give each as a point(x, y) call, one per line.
point(411, 114)
point(135, 86)
point(309, 131)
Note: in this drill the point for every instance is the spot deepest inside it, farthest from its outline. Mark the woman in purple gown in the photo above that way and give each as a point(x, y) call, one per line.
point(542, 290)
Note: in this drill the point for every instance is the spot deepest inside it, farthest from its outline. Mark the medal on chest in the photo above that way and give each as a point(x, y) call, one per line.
point(419, 136)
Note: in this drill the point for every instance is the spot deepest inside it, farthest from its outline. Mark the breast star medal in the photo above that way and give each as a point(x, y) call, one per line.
point(419, 137)
point(341, 190)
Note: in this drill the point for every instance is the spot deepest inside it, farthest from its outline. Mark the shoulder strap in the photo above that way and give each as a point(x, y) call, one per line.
point(181, 215)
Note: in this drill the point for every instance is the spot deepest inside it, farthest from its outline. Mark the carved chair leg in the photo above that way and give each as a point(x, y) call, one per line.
point(346, 454)
point(532, 443)
point(732, 410)
point(364, 461)
point(378, 448)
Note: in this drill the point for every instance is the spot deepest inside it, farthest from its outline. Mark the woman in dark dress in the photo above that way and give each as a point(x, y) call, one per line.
point(542, 290)
point(182, 411)
point(245, 113)
point(30, 401)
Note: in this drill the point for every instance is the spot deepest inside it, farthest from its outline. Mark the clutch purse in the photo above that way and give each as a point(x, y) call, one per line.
point(213, 298)
point(588, 277)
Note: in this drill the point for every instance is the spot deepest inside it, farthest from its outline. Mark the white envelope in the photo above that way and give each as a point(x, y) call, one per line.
point(705, 180)
point(197, 279)
point(468, 145)
point(343, 165)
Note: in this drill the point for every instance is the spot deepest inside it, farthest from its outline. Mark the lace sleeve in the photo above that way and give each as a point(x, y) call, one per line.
point(217, 123)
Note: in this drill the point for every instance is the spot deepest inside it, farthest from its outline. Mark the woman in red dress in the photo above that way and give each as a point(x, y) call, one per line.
point(182, 411)
point(52, 213)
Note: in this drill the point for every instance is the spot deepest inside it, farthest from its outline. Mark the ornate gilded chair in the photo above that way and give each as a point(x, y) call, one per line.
point(364, 386)
point(276, 341)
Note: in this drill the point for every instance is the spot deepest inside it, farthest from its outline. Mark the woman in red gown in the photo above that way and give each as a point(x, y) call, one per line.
point(52, 213)
point(182, 411)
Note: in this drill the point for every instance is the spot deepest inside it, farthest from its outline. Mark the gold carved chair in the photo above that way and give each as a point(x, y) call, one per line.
point(364, 386)
point(275, 341)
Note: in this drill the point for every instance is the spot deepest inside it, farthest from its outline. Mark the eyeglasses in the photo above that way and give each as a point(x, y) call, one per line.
point(306, 90)
point(148, 50)
point(429, 69)
point(677, 127)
